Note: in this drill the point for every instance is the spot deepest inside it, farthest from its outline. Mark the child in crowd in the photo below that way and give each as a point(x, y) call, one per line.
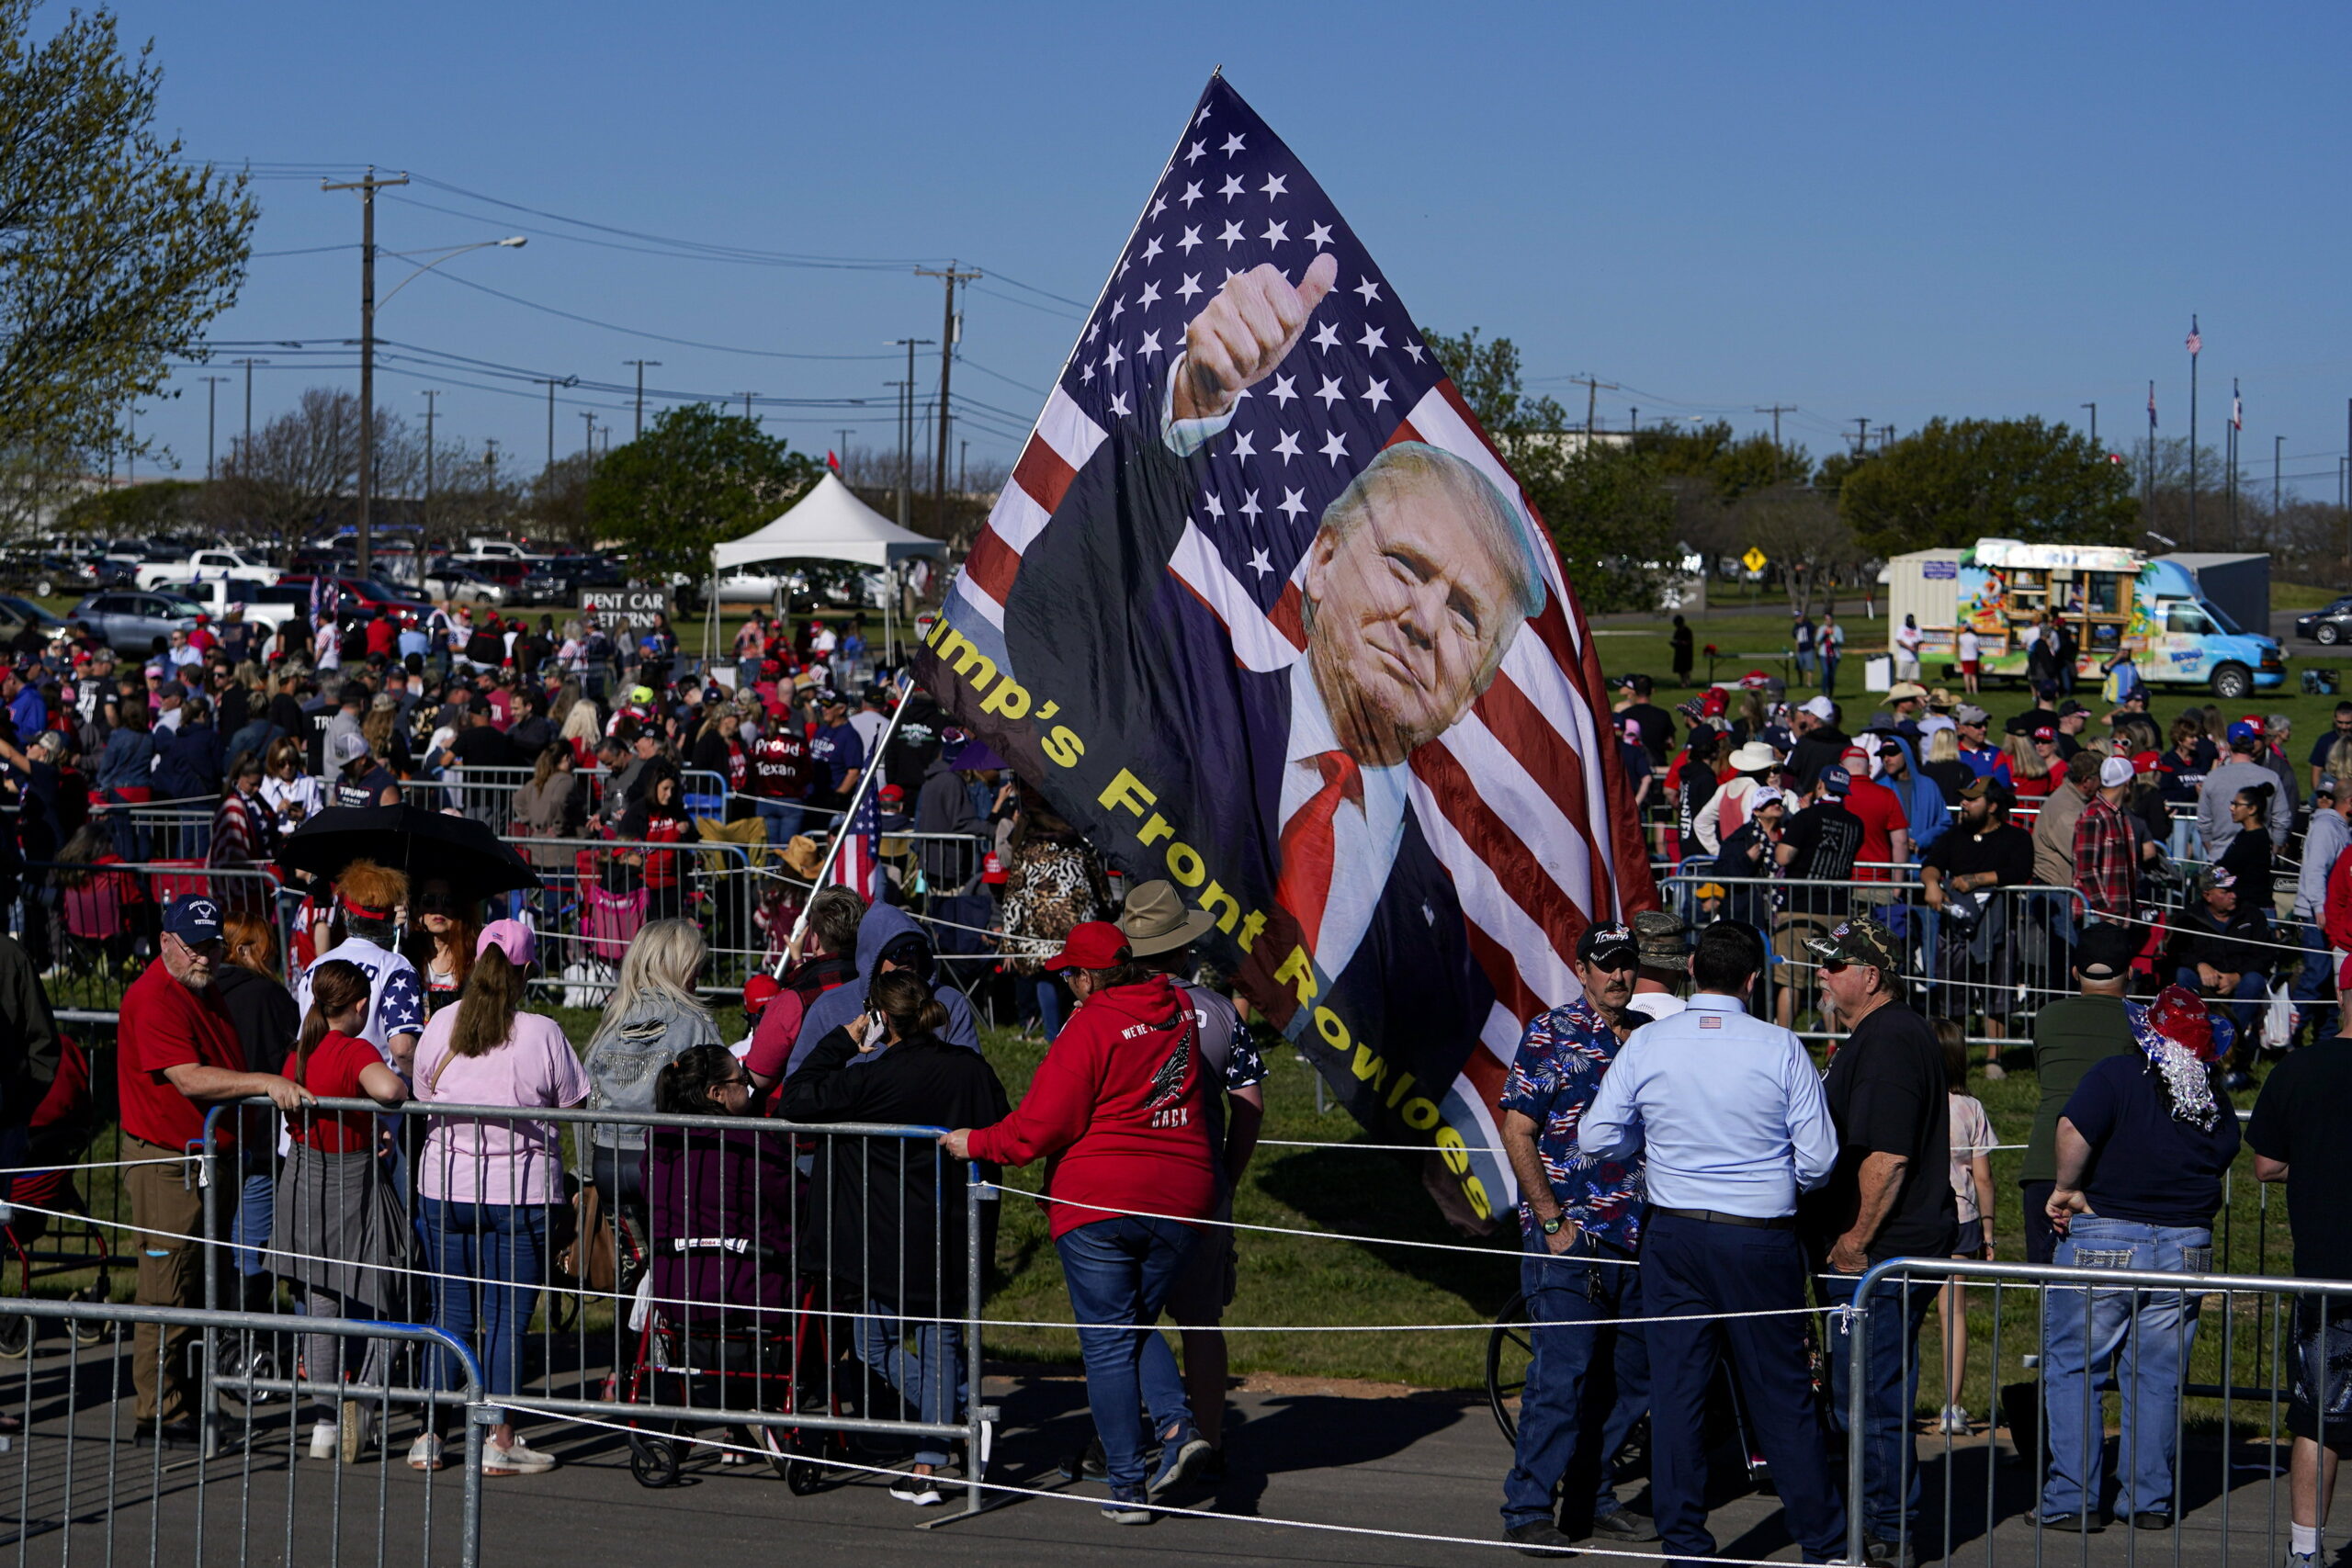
point(1972, 1185)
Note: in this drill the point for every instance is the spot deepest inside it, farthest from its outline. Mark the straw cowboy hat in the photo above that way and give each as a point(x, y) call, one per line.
point(804, 857)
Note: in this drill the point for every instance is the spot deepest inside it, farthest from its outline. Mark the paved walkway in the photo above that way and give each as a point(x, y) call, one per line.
point(1427, 1463)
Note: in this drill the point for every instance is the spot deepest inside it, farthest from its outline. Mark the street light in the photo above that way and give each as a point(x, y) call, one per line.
point(512, 242)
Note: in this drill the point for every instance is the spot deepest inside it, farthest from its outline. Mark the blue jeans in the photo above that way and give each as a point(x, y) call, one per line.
point(927, 1373)
point(2142, 1337)
point(1829, 676)
point(2312, 982)
point(1045, 993)
point(494, 1258)
point(1119, 1272)
point(782, 819)
point(1890, 1475)
point(1585, 1387)
point(256, 1218)
point(2244, 1011)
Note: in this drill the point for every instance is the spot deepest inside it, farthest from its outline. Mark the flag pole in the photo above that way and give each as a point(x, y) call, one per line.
point(2194, 344)
point(866, 784)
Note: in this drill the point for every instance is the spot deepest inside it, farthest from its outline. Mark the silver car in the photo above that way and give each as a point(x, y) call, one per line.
point(129, 620)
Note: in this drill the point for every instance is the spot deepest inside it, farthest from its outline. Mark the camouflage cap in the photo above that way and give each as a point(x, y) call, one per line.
point(1661, 935)
point(1859, 940)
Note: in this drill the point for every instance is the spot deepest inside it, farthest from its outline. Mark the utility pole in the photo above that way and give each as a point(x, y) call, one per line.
point(962, 455)
point(951, 331)
point(367, 187)
point(2093, 408)
point(551, 383)
point(1776, 410)
point(843, 454)
point(424, 523)
point(590, 416)
point(1593, 390)
point(1885, 436)
point(211, 396)
point(247, 451)
point(747, 397)
point(2277, 444)
point(2234, 456)
point(1862, 437)
point(907, 428)
point(640, 365)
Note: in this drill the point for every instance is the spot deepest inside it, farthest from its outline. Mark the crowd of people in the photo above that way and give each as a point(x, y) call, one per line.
point(1986, 851)
point(1692, 1184)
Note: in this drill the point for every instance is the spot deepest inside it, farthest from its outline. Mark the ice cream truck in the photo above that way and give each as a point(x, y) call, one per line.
point(2113, 599)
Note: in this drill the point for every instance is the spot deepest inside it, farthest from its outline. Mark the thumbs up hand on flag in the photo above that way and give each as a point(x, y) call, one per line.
point(1255, 320)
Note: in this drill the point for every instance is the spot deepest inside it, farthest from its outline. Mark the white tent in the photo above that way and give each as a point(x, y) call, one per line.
point(828, 523)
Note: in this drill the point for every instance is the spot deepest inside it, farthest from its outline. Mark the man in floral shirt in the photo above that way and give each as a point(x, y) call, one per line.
point(1579, 1222)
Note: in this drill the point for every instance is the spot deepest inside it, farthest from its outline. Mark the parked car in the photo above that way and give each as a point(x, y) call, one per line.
point(201, 564)
point(2327, 627)
point(355, 595)
point(463, 586)
point(16, 613)
point(46, 575)
point(260, 601)
point(129, 620)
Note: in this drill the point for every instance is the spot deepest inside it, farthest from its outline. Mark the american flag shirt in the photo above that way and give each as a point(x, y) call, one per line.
point(1553, 1079)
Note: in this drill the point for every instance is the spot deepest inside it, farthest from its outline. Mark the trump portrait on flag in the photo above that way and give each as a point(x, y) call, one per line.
point(1284, 631)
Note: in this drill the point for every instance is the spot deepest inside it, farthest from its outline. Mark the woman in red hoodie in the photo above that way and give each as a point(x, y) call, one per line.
point(1115, 1111)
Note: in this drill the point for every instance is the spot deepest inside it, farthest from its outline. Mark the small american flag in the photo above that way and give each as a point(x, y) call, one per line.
point(859, 865)
point(2237, 406)
point(2152, 405)
point(2195, 342)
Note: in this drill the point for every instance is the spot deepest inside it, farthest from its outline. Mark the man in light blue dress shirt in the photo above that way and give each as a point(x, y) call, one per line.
point(1728, 1113)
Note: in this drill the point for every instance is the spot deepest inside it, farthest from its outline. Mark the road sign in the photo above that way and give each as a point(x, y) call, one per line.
point(1754, 560)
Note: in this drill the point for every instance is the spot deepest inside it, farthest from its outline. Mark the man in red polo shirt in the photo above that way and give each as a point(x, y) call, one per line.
point(1886, 829)
point(178, 1053)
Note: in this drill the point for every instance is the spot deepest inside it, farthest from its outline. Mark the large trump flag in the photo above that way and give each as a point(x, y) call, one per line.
point(1264, 613)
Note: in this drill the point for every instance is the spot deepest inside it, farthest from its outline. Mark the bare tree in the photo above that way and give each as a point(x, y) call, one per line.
point(302, 468)
point(1799, 529)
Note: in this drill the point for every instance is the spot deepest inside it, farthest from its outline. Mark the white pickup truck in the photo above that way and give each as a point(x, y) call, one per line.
point(203, 566)
point(263, 602)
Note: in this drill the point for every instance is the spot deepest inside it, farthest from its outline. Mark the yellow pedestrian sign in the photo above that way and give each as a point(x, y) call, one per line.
point(1754, 560)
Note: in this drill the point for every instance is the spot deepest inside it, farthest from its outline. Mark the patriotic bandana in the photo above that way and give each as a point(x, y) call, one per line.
point(2176, 1037)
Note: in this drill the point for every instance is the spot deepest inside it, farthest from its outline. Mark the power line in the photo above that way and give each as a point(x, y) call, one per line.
point(638, 331)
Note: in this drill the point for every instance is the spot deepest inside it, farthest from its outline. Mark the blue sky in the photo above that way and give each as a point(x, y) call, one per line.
point(1886, 213)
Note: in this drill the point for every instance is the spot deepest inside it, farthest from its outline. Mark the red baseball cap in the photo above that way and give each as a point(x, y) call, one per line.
point(2146, 762)
point(758, 991)
point(2044, 732)
point(1097, 944)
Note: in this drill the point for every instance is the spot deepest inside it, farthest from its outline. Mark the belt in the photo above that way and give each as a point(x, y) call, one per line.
point(1715, 1217)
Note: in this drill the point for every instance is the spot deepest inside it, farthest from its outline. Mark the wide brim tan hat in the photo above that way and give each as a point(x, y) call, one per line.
point(804, 857)
point(1155, 919)
point(1753, 755)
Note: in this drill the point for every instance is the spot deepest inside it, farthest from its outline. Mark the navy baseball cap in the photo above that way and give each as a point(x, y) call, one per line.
point(194, 918)
point(1836, 780)
point(1601, 943)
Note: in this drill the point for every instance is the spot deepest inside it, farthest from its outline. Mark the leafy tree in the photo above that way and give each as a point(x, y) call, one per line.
point(1956, 481)
point(1728, 465)
point(697, 475)
point(160, 507)
point(114, 252)
point(1606, 504)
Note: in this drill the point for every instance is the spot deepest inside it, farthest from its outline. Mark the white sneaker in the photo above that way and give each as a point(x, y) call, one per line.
point(1994, 1071)
point(515, 1459)
point(326, 1436)
point(1955, 1421)
point(922, 1491)
point(425, 1453)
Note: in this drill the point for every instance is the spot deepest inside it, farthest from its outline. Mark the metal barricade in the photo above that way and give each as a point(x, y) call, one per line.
point(104, 918)
point(702, 1284)
point(1989, 960)
point(596, 894)
point(91, 1487)
point(2204, 1367)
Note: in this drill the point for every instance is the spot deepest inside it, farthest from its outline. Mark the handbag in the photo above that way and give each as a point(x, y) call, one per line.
point(588, 1258)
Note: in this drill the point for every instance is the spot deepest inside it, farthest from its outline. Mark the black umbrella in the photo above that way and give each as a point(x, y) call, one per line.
point(476, 862)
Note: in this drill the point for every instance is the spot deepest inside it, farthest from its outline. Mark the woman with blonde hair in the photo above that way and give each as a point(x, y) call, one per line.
point(2034, 768)
point(653, 1015)
point(582, 729)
